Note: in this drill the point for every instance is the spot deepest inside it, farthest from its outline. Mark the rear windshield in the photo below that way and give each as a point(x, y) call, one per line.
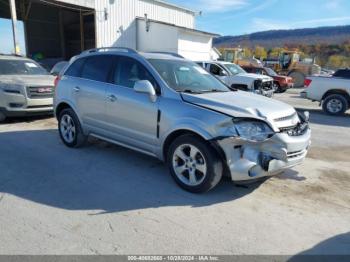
point(345, 73)
point(21, 67)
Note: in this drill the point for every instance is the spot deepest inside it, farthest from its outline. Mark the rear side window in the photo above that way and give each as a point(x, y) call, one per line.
point(75, 68)
point(97, 68)
point(130, 71)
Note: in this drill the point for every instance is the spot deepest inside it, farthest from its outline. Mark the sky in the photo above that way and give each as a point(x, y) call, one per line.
point(237, 17)
point(6, 36)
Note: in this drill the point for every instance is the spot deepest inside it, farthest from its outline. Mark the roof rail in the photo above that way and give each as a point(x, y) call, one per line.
point(169, 53)
point(101, 49)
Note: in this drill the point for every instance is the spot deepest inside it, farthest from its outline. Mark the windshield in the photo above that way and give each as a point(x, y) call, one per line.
point(234, 69)
point(270, 72)
point(185, 76)
point(20, 67)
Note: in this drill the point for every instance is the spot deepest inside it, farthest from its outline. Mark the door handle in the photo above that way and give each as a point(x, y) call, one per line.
point(76, 89)
point(112, 98)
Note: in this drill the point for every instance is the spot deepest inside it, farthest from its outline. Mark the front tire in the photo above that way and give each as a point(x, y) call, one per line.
point(335, 104)
point(70, 129)
point(280, 90)
point(194, 164)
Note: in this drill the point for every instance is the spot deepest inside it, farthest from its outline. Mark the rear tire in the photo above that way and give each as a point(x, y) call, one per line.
point(298, 78)
point(70, 129)
point(194, 164)
point(335, 104)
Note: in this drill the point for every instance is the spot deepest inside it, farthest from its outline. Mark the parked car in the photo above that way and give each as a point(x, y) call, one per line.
point(171, 108)
point(235, 77)
point(282, 83)
point(26, 88)
point(333, 93)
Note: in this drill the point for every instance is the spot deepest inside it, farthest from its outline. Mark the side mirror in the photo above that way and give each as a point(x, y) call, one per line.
point(223, 73)
point(145, 87)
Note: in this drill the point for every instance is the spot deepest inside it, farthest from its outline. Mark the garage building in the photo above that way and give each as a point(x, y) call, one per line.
point(61, 29)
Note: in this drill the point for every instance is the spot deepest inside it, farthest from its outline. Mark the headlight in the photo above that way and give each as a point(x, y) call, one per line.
point(253, 130)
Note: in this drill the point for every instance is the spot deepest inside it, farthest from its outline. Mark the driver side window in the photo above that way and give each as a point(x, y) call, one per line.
point(215, 70)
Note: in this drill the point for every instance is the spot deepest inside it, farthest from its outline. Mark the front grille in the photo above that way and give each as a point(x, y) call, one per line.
point(259, 85)
point(37, 92)
point(297, 130)
point(268, 85)
point(286, 118)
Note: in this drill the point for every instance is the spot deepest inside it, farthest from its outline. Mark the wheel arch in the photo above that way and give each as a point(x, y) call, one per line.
point(337, 92)
point(64, 105)
point(60, 107)
point(177, 133)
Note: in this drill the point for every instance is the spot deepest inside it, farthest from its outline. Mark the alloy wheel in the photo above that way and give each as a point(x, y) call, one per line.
point(189, 164)
point(334, 106)
point(67, 128)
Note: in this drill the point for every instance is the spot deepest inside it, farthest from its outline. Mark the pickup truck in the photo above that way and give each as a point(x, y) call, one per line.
point(332, 92)
point(235, 77)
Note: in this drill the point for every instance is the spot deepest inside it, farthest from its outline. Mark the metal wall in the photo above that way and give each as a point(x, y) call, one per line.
point(116, 19)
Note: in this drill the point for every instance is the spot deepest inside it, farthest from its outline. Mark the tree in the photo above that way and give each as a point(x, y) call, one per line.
point(247, 52)
point(260, 52)
point(338, 61)
point(275, 52)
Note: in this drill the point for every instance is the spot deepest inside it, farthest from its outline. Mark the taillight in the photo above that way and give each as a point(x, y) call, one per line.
point(307, 82)
point(57, 79)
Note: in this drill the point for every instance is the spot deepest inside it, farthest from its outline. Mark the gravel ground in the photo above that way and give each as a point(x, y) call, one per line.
point(104, 199)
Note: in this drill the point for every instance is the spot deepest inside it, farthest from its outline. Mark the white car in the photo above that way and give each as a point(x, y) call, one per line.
point(235, 77)
point(333, 92)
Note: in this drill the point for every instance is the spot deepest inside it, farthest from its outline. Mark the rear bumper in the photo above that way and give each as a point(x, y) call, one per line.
point(254, 160)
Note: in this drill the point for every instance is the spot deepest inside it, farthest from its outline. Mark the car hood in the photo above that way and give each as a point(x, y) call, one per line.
point(28, 80)
point(243, 104)
point(255, 76)
point(279, 77)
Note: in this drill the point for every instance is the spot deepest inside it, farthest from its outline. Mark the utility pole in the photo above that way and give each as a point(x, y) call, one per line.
point(14, 25)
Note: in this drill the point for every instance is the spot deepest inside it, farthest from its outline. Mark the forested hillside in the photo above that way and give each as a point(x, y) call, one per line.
point(330, 45)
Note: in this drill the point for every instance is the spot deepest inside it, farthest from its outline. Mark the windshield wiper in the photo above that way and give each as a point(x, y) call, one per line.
point(192, 91)
point(214, 91)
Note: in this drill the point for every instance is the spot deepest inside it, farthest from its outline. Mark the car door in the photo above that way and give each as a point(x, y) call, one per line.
point(131, 116)
point(90, 91)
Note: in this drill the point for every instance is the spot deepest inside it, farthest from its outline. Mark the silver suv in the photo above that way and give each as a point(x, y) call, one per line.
point(25, 87)
point(171, 108)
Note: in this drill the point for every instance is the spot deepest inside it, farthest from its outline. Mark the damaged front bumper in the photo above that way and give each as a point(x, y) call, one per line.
point(247, 160)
